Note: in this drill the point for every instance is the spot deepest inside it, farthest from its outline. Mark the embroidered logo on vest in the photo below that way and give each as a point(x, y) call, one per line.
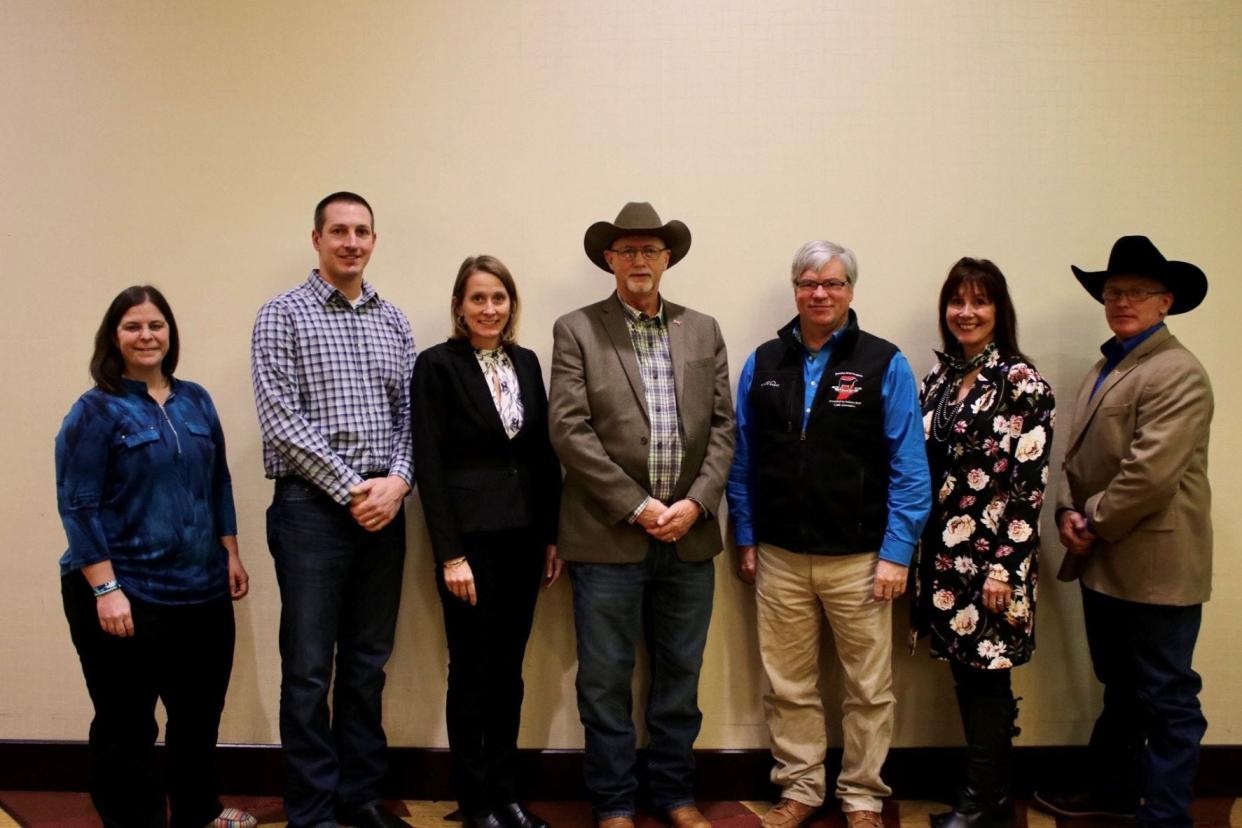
point(847, 385)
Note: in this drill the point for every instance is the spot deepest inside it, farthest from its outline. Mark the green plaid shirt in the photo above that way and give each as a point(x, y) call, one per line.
point(655, 364)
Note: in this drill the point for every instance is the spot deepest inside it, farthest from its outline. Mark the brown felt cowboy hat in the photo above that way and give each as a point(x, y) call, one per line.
point(638, 218)
point(1137, 256)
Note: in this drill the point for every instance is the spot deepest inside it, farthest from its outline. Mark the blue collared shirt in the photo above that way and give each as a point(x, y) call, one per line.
point(1115, 350)
point(908, 481)
point(332, 386)
point(147, 488)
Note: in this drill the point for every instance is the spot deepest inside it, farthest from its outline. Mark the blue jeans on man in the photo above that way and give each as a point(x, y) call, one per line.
point(340, 587)
point(1146, 739)
point(669, 602)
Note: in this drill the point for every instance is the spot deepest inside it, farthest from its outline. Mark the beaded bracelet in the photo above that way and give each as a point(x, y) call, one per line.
point(106, 587)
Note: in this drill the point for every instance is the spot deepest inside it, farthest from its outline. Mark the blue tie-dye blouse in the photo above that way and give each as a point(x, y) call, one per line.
point(147, 488)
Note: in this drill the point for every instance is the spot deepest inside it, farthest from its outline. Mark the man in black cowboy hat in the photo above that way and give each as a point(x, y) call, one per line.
point(1134, 512)
point(642, 420)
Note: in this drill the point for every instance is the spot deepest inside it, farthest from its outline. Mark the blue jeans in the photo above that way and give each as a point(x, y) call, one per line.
point(670, 601)
point(1149, 730)
point(340, 587)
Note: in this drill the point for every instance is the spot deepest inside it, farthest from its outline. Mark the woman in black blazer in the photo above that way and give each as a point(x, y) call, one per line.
point(490, 486)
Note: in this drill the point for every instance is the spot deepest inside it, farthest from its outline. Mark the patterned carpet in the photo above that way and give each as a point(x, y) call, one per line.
point(73, 810)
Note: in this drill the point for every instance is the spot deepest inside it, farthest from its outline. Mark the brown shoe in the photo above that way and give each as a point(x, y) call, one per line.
point(863, 819)
point(788, 813)
point(617, 822)
point(688, 816)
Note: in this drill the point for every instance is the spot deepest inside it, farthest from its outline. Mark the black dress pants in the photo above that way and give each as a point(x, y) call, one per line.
point(486, 644)
point(182, 655)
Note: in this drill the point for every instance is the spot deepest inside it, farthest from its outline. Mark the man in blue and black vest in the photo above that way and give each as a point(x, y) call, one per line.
point(828, 492)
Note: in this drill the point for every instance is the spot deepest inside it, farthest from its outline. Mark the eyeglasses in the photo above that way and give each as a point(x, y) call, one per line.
point(630, 253)
point(830, 285)
point(1112, 296)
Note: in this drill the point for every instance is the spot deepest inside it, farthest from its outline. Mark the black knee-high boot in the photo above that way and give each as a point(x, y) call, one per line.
point(983, 802)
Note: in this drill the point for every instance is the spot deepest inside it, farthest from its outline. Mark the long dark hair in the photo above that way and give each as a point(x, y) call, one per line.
point(984, 278)
point(107, 364)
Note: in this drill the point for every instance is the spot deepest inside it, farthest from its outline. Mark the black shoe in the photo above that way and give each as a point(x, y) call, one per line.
point(1082, 804)
point(373, 815)
point(972, 811)
point(515, 816)
point(995, 816)
point(487, 819)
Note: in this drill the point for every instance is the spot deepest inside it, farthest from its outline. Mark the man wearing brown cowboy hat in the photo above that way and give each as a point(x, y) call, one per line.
point(1134, 512)
point(642, 420)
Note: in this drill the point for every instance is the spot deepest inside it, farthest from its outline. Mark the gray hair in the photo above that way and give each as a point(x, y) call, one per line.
point(815, 254)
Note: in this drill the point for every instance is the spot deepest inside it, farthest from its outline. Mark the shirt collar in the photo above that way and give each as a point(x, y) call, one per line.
point(140, 388)
point(638, 316)
point(796, 332)
point(324, 290)
point(1116, 350)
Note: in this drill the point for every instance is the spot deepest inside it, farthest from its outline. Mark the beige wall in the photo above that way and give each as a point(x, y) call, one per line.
point(186, 143)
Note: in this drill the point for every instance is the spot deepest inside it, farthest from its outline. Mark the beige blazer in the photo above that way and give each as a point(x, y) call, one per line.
point(597, 417)
point(1136, 466)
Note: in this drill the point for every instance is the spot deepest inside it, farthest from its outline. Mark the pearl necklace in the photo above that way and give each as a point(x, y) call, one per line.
point(945, 413)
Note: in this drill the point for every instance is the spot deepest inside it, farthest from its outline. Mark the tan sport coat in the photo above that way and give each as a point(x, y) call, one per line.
point(1136, 466)
point(597, 418)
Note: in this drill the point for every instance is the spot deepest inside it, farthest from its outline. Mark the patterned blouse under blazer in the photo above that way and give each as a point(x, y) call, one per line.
point(988, 487)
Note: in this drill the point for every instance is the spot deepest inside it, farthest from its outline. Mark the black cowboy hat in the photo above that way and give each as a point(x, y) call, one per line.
point(638, 218)
point(1137, 256)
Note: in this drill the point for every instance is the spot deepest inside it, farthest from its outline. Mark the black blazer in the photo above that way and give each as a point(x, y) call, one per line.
point(471, 476)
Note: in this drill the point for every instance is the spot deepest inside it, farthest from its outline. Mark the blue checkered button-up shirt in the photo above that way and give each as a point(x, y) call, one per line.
point(655, 364)
point(332, 386)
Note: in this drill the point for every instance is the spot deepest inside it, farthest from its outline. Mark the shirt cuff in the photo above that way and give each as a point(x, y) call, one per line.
point(404, 470)
point(634, 514)
point(896, 551)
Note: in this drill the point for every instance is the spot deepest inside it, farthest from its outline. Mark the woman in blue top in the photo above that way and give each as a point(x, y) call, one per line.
point(143, 489)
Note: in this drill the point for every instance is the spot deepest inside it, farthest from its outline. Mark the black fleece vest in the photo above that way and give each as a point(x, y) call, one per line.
point(824, 490)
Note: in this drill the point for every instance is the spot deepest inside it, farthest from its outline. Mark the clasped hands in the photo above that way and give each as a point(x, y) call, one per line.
point(374, 503)
point(668, 524)
point(1076, 534)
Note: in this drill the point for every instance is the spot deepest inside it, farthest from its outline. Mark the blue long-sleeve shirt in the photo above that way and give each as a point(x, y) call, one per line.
point(909, 481)
point(147, 488)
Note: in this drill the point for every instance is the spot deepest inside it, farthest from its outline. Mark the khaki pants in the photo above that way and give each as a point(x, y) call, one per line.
point(791, 591)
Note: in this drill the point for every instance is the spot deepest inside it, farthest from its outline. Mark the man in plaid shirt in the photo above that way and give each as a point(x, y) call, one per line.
point(642, 419)
point(331, 364)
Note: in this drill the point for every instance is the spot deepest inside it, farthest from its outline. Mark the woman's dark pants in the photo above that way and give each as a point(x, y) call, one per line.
point(486, 644)
point(182, 655)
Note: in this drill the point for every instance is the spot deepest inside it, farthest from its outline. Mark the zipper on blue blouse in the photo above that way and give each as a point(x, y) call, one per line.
point(168, 420)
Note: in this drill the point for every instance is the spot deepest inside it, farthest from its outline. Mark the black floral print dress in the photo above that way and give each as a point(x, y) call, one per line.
point(989, 462)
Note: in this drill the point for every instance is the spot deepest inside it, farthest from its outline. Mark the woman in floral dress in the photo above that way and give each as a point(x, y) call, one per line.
point(987, 418)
